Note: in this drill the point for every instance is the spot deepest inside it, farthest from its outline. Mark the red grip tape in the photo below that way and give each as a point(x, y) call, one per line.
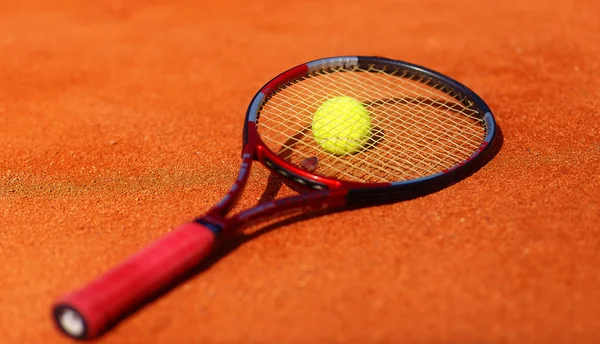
point(106, 299)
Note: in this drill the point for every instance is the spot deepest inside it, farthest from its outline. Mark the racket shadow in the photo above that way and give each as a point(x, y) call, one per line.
point(274, 184)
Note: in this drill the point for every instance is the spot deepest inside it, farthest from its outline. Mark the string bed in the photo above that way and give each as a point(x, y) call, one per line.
point(418, 127)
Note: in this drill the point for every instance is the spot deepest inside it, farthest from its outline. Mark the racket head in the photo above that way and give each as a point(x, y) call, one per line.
point(428, 130)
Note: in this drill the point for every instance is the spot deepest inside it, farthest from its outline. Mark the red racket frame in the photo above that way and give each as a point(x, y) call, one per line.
point(106, 300)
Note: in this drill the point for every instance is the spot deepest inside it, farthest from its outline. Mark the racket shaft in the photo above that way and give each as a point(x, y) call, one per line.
point(108, 298)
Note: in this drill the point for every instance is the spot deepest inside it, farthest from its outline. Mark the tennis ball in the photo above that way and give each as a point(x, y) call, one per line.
point(341, 125)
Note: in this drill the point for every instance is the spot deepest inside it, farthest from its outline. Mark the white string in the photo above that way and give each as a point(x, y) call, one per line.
point(417, 128)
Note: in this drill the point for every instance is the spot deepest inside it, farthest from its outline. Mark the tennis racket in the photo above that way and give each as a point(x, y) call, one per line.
point(427, 132)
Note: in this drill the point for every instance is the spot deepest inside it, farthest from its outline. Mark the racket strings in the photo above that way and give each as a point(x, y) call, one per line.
point(421, 157)
point(418, 127)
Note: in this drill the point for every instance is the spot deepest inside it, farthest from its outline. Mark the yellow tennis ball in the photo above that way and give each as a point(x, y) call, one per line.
point(341, 125)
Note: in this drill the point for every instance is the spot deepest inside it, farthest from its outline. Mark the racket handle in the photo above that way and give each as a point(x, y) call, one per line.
point(89, 311)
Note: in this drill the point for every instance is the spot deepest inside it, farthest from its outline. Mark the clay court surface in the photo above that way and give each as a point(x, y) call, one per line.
point(120, 120)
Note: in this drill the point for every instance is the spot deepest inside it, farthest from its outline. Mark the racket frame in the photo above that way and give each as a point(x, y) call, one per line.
point(208, 230)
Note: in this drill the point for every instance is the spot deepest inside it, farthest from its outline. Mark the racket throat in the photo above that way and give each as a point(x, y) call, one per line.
point(232, 196)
